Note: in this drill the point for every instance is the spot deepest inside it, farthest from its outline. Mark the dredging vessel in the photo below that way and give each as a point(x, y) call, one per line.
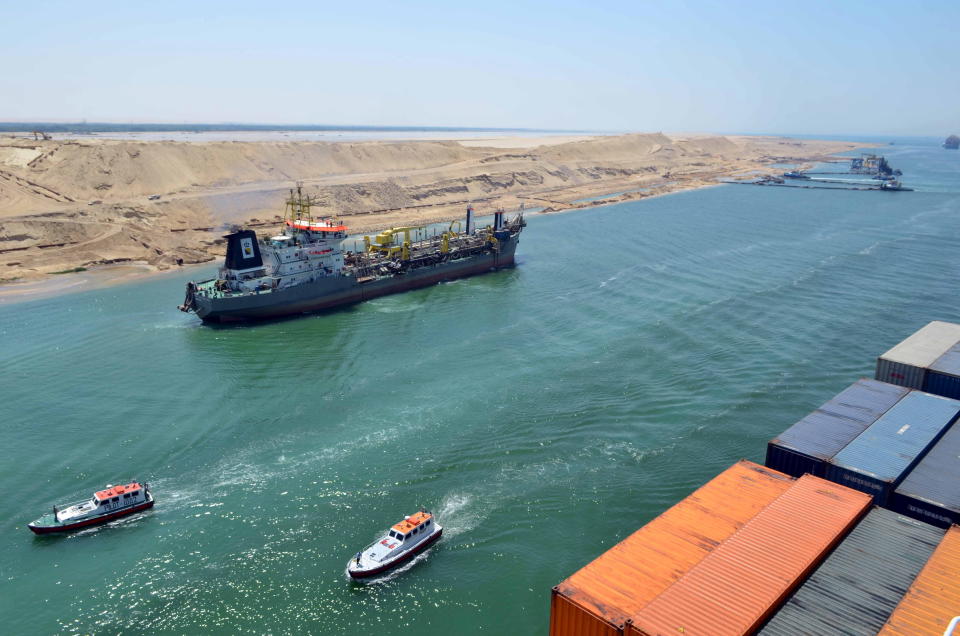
point(305, 268)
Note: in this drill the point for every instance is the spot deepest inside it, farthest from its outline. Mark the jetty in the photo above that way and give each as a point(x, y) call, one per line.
point(883, 177)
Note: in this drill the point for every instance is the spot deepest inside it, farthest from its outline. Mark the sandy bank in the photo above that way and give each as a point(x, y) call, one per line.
point(90, 203)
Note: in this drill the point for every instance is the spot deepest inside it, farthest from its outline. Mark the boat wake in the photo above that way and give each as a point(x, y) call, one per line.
point(457, 513)
point(388, 576)
point(395, 305)
point(116, 523)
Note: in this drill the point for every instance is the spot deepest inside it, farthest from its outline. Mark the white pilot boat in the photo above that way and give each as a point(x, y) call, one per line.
point(105, 505)
point(402, 542)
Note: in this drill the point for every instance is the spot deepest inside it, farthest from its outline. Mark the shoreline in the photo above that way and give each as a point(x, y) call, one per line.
point(109, 240)
point(106, 276)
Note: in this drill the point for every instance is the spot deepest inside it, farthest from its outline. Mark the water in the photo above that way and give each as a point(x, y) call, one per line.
point(544, 412)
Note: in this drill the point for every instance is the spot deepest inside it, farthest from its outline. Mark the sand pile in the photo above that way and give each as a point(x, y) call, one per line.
point(113, 170)
point(68, 204)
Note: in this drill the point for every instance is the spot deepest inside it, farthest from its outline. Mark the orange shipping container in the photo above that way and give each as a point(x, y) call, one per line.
point(598, 599)
point(737, 586)
point(934, 598)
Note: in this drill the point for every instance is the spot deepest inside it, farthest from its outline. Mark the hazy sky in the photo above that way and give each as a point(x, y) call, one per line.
point(780, 67)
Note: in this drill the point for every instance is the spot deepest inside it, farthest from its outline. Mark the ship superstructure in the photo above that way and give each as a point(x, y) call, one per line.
point(305, 268)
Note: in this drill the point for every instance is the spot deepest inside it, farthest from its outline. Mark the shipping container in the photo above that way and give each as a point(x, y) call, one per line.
point(934, 598)
point(599, 598)
point(858, 586)
point(735, 588)
point(806, 446)
point(943, 376)
point(931, 491)
point(906, 364)
point(880, 457)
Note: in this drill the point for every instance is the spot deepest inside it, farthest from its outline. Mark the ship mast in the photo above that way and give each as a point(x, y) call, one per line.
point(298, 205)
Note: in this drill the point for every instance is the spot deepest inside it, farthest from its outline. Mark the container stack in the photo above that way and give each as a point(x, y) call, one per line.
point(810, 444)
point(882, 455)
point(738, 585)
point(848, 529)
point(862, 581)
point(929, 360)
point(931, 491)
point(602, 596)
point(871, 437)
point(934, 598)
point(719, 562)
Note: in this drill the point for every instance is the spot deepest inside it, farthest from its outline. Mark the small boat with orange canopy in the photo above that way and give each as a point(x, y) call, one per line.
point(105, 505)
point(402, 542)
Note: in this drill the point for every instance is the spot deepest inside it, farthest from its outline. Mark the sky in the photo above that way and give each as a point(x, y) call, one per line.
point(840, 67)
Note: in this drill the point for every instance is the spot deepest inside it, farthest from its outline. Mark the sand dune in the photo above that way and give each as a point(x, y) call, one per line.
point(69, 204)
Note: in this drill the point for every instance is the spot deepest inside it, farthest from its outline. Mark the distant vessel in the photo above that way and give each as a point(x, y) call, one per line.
point(411, 536)
point(952, 142)
point(795, 174)
point(894, 185)
point(305, 269)
point(104, 506)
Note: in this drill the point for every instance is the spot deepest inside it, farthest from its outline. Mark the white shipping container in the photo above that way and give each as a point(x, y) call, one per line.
point(907, 363)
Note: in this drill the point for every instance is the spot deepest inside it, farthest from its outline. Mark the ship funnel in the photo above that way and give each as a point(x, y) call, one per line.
point(243, 252)
point(469, 219)
point(498, 220)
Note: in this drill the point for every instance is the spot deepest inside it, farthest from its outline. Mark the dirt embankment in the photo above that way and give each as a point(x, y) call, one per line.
point(70, 204)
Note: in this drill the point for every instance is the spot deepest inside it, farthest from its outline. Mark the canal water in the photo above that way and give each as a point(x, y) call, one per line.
point(542, 412)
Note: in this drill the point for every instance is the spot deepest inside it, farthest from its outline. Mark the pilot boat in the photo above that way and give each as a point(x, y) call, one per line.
point(402, 542)
point(105, 505)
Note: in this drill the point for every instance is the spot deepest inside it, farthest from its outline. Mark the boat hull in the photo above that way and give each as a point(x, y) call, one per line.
point(93, 521)
point(336, 291)
point(403, 558)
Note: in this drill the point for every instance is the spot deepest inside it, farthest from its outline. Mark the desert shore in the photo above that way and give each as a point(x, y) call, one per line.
point(156, 205)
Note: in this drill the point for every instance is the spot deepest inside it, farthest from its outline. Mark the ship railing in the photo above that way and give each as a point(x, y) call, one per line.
point(951, 628)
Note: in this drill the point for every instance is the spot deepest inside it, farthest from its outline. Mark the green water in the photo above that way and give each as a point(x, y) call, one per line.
point(543, 412)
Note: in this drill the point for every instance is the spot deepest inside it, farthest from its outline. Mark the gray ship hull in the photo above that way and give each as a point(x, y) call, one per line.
point(336, 291)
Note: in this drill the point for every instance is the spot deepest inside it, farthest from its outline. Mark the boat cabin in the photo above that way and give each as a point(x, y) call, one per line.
point(103, 502)
point(119, 496)
point(412, 527)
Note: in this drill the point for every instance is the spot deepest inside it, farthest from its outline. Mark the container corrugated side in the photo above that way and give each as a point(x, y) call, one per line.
point(899, 373)
point(943, 376)
point(735, 588)
point(931, 491)
point(934, 598)
point(608, 590)
point(880, 457)
point(806, 446)
point(857, 587)
point(569, 619)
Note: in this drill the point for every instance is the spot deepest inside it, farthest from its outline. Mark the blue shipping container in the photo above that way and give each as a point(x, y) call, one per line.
point(943, 376)
point(859, 585)
point(880, 457)
point(806, 446)
point(931, 492)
